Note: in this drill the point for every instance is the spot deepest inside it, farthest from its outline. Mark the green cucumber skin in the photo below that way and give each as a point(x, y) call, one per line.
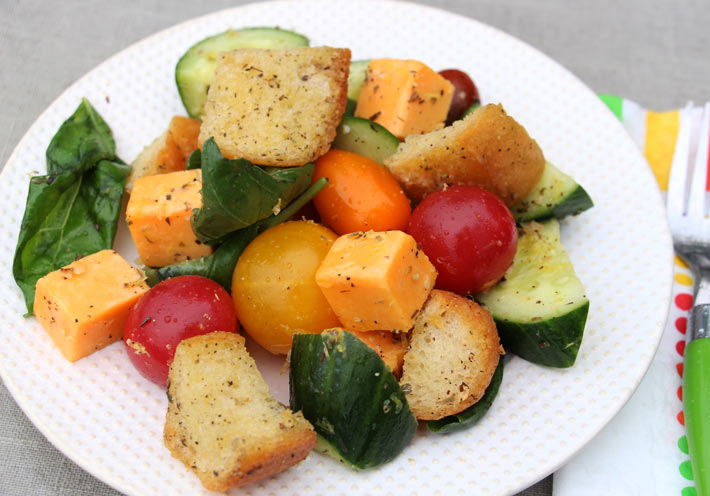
point(362, 136)
point(577, 202)
point(553, 342)
point(356, 78)
point(350, 108)
point(475, 412)
point(351, 397)
point(574, 203)
point(195, 68)
point(556, 195)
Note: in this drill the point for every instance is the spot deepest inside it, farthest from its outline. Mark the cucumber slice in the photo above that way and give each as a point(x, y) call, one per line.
point(356, 78)
point(350, 108)
point(555, 195)
point(351, 397)
point(540, 307)
point(471, 110)
point(358, 135)
point(196, 67)
point(473, 413)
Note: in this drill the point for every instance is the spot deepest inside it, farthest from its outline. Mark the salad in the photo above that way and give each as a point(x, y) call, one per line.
point(550, 337)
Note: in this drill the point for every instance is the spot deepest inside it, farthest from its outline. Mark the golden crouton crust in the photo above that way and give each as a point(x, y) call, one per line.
point(488, 149)
point(277, 107)
point(222, 422)
point(454, 351)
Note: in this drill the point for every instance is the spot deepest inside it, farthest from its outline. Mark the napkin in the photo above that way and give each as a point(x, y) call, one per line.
point(643, 450)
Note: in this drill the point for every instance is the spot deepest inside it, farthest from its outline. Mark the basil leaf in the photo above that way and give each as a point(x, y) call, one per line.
point(237, 194)
point(194, 161)
point(81, 142)
point(473, 413)
point(73, 211)
point(220, 265)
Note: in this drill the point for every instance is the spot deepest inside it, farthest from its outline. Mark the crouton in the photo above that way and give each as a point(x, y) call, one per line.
point(276, 107)
point(168, 152)
point(222, 421)
point(488, 149)
point(454, 350)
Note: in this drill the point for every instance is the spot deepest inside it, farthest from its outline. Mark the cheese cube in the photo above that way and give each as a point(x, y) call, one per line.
point(158, 216)
point(405, 96)
point(376, 280)
point(84, 305)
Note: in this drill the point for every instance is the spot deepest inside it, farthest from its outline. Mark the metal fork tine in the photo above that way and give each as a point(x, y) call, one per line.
point(696, 196)
point(675, 201)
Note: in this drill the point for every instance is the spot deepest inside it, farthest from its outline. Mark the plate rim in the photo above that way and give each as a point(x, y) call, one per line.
point(75, 455)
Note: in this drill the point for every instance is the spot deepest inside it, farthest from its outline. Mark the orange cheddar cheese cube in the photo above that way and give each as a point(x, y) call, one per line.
point(84, 305)
point(391, 346)
point(376, 280)
point(158, 217)
point(405, 96)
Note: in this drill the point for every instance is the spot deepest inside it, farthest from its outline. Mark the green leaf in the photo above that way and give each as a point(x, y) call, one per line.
point(237, 194)
point(220, 265)
point(194, 161)
point(81, 142)
point(473, 413)
point(72, 212)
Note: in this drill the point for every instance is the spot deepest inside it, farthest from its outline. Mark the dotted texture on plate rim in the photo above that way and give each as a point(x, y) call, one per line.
point(108, 419)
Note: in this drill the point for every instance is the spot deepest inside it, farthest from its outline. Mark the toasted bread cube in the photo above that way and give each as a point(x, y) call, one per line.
point(453, 352)
point(488, 148)
point(405, 96)
point(169, 152)
point(158, 217)
point(276, 107)
point(84, 306)
point(222, 421)
point(376, 280)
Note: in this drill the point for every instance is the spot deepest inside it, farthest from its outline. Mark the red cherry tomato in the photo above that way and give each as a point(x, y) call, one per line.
point(468, 234)
point(171, 311)
point(361, 194)
point(465, 93)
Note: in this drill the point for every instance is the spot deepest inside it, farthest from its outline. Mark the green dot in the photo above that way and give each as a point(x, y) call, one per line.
point(683, 444)
point(688, 491)
point(686, 470)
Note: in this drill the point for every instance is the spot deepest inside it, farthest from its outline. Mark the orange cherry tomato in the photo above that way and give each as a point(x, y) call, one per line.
point(361, 194)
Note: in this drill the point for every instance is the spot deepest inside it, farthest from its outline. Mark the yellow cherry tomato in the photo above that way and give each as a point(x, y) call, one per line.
point(274, 288)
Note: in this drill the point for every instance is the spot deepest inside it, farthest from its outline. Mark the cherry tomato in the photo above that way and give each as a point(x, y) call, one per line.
point(274, 287)
point(468, 234)
point(465, 93)
point(169, 312)
point(361, 194)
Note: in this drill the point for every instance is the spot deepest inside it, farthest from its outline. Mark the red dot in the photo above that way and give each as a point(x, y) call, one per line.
point(681, 323)
point(680, 347)
point(684, 301)
point(679, 368)
point(681, 418)
point(680, 393)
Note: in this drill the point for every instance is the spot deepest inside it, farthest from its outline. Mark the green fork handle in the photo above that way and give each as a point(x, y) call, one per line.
point(696, 402)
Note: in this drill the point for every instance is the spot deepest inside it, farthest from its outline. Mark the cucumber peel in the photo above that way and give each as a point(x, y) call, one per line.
point(195, 69)
point(351, 397)
point(555, 195)
point(362, 136)
point(540, 307)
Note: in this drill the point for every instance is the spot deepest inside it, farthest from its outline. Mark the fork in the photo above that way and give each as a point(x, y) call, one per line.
point(687, 210)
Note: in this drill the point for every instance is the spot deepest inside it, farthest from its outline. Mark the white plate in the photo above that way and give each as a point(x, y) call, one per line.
point(108, 419)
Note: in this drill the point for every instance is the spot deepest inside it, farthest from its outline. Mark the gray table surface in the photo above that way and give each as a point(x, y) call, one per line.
point(656, 52)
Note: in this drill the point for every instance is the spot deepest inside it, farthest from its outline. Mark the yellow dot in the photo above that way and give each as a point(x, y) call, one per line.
point(680, 262)
point(684, 279)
